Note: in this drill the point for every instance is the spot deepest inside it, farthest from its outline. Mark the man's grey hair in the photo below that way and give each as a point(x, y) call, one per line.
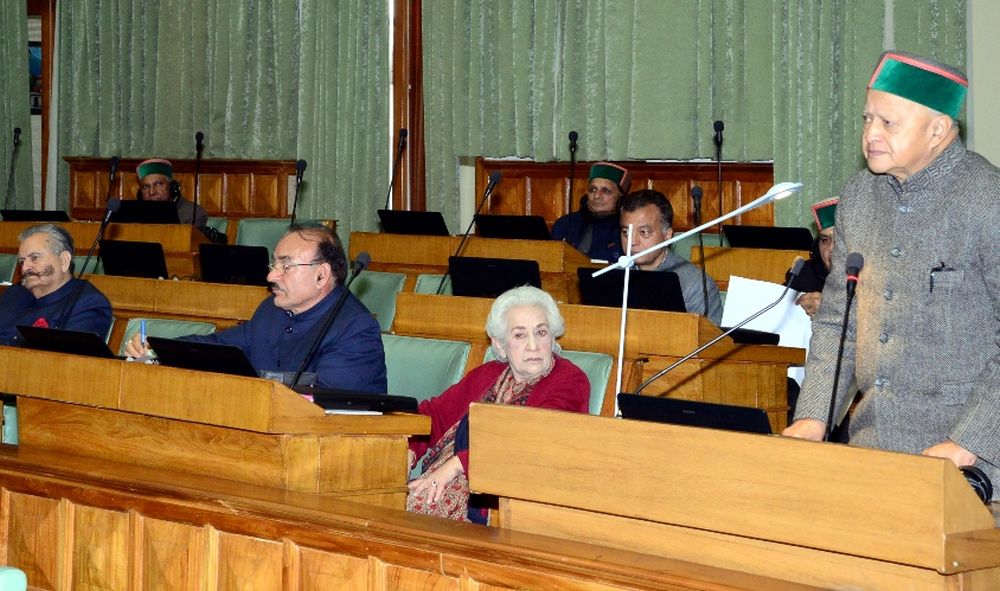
point(526, 295)
point(58, 239)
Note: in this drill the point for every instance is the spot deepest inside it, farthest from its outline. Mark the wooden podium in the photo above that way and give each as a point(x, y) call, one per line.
point(827, 515)
point(414, 255)
point(240, 429)
point(180, 241)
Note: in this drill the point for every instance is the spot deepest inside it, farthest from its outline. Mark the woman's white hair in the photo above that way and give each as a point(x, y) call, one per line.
point(526, 295)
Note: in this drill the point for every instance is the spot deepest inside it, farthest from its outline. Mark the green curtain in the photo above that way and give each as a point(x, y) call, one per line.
point(15, 110)
point(268, 79)
point(645, 79)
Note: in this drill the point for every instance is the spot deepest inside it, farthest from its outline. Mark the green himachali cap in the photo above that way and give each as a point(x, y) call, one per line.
point(825, 213)
point(155, 166)
point(614, 173)
point(921, 80)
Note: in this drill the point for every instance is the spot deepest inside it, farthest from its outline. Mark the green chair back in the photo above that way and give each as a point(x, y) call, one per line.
point(12, 579)
point(9, 434)
point(261, 232)
point(8, 264)
point(166, 328)
point(427, 283)
point(219, 223)
point(423, 368)
point(95, 266)
point(377, 291)
point(597, 366)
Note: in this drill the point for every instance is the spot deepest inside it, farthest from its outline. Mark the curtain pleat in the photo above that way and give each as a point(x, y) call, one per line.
point(15, 109)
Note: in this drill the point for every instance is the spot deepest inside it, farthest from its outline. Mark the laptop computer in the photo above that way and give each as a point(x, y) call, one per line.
point(34, 215)
point(59, 340)
point(145, 212)
point(333, 399)
point(774, 237)
point(519, 227)
point(233, 263)
point(488, 278)
point(648, 290)
point(212, 357)
point(694, 413)
point(424, 223)
point(133, 259)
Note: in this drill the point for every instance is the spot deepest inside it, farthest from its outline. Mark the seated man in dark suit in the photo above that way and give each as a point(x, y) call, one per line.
point(812, 278)
point(307, 278)
point(652, 218)
point(594, 228)
point(49, 296)
point(156, 183)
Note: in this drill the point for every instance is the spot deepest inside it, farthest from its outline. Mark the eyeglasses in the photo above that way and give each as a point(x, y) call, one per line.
point(283, 267)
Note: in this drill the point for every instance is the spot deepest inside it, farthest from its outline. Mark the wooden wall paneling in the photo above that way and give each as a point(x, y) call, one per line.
point(409, 579)
point(266, 201)
point(100, 548)
point(210, 192)
point(321, 571)
point(237, 196)
point(171, 554)
point(37, 532)
point(250, 563)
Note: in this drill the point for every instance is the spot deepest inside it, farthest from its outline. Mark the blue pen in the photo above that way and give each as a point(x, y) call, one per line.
point(142, 332)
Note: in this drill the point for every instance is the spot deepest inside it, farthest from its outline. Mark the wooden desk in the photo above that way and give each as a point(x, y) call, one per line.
point(246, 430)
point(413, 255)
point(180, 241)
point(764, 264)
point(827, 515)
point(748, 375)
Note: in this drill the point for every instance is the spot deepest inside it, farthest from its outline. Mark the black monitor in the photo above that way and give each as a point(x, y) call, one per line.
point(145, 212)
point(233, 263)
point(212, 357)
point(488, 278)
point(694, 413)
point(133, 259)
point(334, 400)
point(34, 215)
point(648, 290)
point(774, 237)
point(520, 227)
point(424, 223)
point(59, 340)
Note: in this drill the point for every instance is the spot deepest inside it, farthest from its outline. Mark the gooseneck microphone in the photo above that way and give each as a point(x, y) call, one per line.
point(573, 137)
point(796, 269)
point(360, 264)
point(11, 185)
point(400, 147)
point(199, 147)
point(300, 168)
point(67, 308)
point(718, 126)
point(495, 177)
point(855, 262)
point(696, 198)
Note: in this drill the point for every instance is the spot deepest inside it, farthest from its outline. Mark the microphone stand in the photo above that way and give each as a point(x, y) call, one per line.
point(796, 268)
point(719, 126)
point(11, 185)
point(113, 206)
point(300, 168)
point(775, 193)
point(495, 177)
point(199, 146)
point(854, 264)
point(696, 197)
point(573, 136)
point(360, 264)
point(395, 165)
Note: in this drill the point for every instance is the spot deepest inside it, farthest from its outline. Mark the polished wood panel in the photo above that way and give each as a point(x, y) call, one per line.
point(771, 506)
point(185, 531)
point(763, 264)
point(542, 188)
point(230, 188)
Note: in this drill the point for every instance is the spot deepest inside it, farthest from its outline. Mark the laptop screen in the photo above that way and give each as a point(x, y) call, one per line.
point(774, 237)
point(145, 212)
point(202, 356)
point(233, 263)
point(693, 413)
point(33, 215)
point(648, 290)
point(60, 340)
point(424, 223)
point(133, 259)
point(488, 278)
point(519, 227)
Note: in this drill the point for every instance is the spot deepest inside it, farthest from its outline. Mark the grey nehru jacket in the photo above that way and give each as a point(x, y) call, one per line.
point(926, 358)
point(691, 287)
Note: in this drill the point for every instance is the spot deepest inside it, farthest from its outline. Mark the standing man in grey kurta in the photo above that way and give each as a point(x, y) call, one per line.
point(924, 337)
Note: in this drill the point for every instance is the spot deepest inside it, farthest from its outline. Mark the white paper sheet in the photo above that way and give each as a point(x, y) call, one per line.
point(747, 296)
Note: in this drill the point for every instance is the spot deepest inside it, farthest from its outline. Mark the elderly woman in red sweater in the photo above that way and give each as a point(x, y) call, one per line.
point(523, 326)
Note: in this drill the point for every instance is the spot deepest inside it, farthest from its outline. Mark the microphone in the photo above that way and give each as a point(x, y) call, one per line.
point(113, 170)
point(113, 206)
point(719, 126)
point(796, 269)
point(855, 262)
point(495, 177)
point(11, 186)
point(360, 264)
point(300, 168)
point(696, 198)
point(400, 146)
point(573, 136)
point(199, 143)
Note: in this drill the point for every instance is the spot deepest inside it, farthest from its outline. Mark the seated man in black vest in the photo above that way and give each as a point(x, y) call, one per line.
point(594, 228)
point(156, 183)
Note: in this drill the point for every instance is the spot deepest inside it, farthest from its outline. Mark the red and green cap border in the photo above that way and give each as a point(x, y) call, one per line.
point(921, 80)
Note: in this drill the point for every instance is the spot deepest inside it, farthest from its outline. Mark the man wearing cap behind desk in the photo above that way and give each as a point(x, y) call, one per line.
point(307, 278)
point(49, 296)
point(923, 339)
point(593, 229)
point(156, 183)
point(812, 277)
